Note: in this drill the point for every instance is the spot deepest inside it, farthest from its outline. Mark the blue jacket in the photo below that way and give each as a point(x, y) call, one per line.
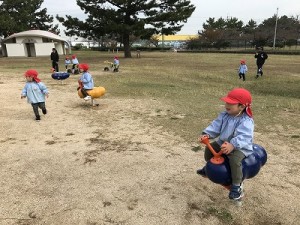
point(243, 69)
point(116, 62)
point(87, 80)
point(237, 130)
point(35, 92)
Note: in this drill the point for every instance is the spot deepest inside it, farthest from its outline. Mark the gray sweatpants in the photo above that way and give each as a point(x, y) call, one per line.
point(235, 162)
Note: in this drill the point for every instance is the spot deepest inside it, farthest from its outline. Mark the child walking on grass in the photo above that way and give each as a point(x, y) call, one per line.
point(233, 130)
point(243, 70)
point(35, 91)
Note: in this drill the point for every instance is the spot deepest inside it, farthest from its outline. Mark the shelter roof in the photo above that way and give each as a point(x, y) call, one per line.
point(36, 33)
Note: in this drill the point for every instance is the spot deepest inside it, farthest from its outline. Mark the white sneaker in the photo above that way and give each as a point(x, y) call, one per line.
point(87, 98)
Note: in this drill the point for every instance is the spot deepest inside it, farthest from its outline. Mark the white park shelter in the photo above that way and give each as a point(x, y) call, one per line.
point(33, 43)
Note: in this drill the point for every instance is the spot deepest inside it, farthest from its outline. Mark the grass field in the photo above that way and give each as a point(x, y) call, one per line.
point(190, 85)
point(120, 155)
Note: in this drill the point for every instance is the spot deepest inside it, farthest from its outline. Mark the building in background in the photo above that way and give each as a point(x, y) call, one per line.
point(174, 41)
point(33, 43)
point(165, 41)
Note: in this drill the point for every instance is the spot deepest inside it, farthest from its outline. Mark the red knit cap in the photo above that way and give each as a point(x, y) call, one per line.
point(33, 74)
point(73, 56)
point(239, 96)
point(84, 67)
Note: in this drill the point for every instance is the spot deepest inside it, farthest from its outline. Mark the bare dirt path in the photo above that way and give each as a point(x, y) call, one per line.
point(111, 165)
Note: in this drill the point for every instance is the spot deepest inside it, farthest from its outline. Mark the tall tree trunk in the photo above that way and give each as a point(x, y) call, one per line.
point(127, 52)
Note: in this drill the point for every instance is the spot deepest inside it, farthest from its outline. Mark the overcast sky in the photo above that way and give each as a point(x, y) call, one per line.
point(258, 10)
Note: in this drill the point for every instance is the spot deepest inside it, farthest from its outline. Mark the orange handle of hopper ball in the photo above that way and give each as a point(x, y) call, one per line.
point(217, 159)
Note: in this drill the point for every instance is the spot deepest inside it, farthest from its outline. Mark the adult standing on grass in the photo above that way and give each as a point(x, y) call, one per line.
point(261, 57)
point(54, 58)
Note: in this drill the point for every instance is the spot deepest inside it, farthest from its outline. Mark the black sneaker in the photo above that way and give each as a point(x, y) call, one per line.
point(202, 172)
point(236, 192)
point(44, 111)
point(37, 118)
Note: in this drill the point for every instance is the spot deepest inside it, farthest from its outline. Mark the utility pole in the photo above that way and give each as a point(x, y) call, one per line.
point(274, 42)
point(163, 39)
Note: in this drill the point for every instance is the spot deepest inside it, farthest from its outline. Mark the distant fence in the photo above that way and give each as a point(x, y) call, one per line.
point(275, 52)
point(235, 51)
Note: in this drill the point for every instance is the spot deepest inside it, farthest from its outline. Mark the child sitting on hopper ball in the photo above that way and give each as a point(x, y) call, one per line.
point(85, 82)
point(67, 63)
point(75, 63)
point(116, 64)
point(234, 130)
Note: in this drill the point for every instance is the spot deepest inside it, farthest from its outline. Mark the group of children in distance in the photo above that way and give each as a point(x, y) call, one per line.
point(233, 129)
point(261, 57)
point(74, 62)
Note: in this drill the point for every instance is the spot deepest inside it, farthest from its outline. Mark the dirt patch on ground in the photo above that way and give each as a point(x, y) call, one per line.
point(111, 165)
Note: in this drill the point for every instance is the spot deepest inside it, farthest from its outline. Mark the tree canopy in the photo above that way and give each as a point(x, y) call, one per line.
point(122, 19)
point(287, 28)
point(222, 33)
point(19, 15)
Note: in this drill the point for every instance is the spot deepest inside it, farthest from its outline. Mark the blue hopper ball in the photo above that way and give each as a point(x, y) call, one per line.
point(60, 75)
point(221, 174)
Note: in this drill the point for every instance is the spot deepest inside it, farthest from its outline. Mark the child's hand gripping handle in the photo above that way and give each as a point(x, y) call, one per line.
point(217, 159)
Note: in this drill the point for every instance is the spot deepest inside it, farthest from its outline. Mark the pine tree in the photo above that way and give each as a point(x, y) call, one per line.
point(19, 15)
point(125, 18)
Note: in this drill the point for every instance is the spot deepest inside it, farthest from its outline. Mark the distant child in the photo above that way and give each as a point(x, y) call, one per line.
point(86, 81)
point(35, 91)
point(75, 63)
point(233, 129)
point(243, 70)
point(116, 64)
point(67, 62)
